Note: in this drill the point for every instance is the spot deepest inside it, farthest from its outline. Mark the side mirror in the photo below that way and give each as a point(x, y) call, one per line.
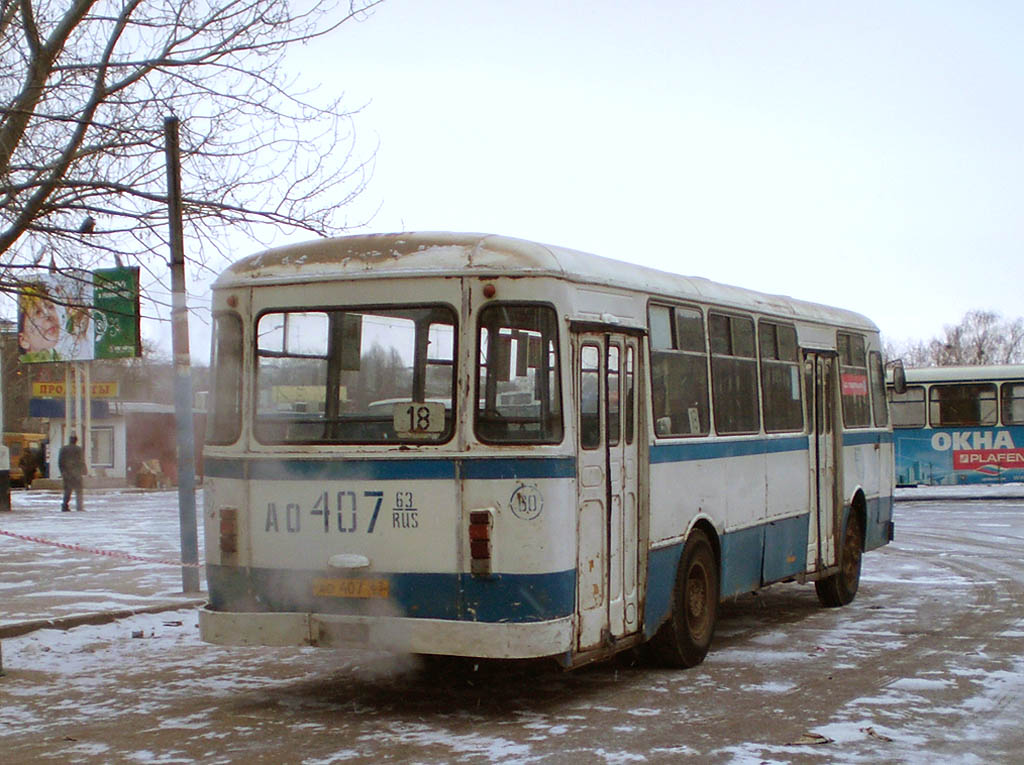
point(899, 376)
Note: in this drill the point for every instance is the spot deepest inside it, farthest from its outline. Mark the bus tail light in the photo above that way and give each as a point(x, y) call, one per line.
point(228, 532)
point(481, 522)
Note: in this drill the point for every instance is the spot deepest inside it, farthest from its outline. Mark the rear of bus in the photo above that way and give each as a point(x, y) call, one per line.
point(385, 460)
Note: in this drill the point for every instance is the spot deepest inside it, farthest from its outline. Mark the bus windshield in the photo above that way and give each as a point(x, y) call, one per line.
point(355, 375)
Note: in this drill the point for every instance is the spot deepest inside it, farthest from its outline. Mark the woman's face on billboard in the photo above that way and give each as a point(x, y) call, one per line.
point(41, 329)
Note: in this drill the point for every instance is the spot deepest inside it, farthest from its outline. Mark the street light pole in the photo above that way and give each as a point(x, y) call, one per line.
point(182, 368)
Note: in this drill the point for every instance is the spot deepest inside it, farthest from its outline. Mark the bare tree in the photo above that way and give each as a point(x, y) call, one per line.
point(85, 87)
point(981, 337)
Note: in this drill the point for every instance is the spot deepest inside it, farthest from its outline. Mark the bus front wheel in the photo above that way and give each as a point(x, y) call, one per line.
point(684, 639)
point(841, 588)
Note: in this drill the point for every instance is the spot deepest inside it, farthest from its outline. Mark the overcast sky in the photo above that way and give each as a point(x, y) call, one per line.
point(866, 155)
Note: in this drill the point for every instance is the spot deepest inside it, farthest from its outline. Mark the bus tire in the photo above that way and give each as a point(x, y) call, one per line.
point(683, 640)
point(841, 588)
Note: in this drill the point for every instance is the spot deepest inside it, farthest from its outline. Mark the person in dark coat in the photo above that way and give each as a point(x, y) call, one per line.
point(27, 463)
point(71, 462)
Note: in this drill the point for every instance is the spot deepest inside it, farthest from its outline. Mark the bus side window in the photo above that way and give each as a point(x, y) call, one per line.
point(1013, 403)
point(679, 372)
point(962, 405)
point(876, 372)
point(908, 408)
point(780, 377)
point(853, 380)
point(734, 374)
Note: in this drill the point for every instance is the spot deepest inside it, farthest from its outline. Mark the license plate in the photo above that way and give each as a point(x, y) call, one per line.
point(350, 588)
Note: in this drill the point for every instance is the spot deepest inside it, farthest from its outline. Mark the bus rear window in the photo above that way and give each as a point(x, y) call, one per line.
point(355, 376)
point(518, 389)
point(224, 420)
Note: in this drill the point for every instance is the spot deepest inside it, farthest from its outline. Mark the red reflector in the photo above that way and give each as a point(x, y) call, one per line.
point(479, 532)
point(480, 549)
point(480, 518)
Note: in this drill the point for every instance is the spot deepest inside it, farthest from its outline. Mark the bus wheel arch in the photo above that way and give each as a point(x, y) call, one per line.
point(840, 588)
point(684, 638)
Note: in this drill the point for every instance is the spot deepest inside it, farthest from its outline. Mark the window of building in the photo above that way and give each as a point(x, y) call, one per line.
point(102, 447)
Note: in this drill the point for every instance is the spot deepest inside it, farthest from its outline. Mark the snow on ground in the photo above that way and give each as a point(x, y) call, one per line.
point(139, 532)
point(920, 704)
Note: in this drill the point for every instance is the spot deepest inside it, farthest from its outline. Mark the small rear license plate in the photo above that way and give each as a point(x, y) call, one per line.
point(350, 588)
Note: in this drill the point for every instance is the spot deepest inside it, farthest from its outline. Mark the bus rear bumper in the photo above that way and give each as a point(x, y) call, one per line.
point(494, 640)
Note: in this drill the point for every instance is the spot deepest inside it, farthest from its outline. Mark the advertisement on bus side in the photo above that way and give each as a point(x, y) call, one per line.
point(950, 457)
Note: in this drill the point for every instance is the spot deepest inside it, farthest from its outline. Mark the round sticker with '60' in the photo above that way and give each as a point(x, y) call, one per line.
point(526, 501)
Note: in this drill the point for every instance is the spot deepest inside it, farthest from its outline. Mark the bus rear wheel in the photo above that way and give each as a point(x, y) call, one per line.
point(841, 588)
point(684, 639)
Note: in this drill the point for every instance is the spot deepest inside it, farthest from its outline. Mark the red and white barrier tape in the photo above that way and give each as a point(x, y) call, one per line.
point(108, 553)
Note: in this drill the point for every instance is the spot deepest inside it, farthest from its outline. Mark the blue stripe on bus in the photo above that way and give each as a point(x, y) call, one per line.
point(519, 598)
point(662, 564)
point(519, 467)
point(294, 469)
point(486, 468)
point(878, 522)
point(860, 438)
point(709, 450)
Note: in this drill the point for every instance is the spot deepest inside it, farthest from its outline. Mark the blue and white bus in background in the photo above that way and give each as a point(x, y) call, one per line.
point(959, 425)
point(478, 446)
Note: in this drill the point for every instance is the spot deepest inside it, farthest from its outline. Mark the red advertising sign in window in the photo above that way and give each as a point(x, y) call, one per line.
point(855, 385)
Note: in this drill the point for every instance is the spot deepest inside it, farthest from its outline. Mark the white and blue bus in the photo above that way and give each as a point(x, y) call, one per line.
point(959, 425)
point(479, 446)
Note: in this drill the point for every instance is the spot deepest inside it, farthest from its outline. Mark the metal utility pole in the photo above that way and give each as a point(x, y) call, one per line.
point(182, 368)
point(5, 457)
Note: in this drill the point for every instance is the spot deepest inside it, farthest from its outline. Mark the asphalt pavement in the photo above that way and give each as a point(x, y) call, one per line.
point(121, 556)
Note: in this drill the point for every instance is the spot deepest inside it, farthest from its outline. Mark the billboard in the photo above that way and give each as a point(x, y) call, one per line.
point(116, 314)
point(79, 315)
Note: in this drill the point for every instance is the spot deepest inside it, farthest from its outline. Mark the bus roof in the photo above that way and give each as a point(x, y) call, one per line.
point(419, 254)
point(965, 374)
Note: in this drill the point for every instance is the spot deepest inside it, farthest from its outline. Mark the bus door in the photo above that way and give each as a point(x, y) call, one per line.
point(608, 591)
point(822, 422)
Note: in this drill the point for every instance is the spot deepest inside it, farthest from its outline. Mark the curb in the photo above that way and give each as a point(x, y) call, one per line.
point(15, 629)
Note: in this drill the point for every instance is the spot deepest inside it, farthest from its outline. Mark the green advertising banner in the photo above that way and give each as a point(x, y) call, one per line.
point(116, 314)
